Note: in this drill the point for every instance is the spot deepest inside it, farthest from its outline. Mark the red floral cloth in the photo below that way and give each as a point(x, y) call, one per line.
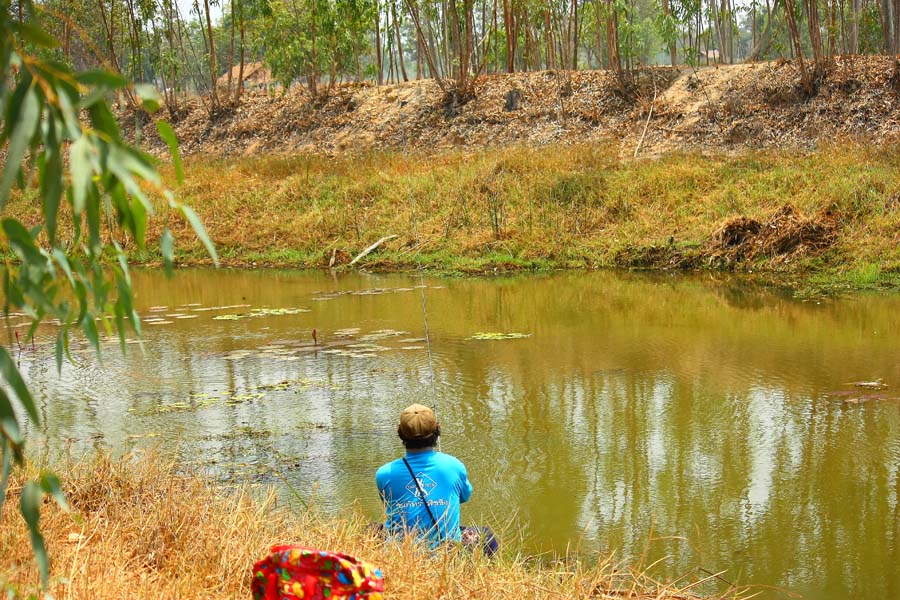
point(295, 573)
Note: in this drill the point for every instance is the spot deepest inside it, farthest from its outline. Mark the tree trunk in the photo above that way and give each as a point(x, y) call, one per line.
point(575, 28)
point(548, 40)
point(672, 50)
point(468, 47)
point(109, 26)
point(832, 29)
point(855, 10)
point(213, 69)
point(231, 49)
point(240, 85)
point(427, 45)
point(447, 41)
point(67, 33)
point(431, 56)
point(729, 31)
point(399, 42)
point(884, 14)
point(612, 41)
point(508, 24)
point(313, 73)
point(379, 67)
point(762, 43)
point(895, 27)
point(794, 31)
point(815, 34)
point(496, 38)
point(418, 57)
point(527, 59)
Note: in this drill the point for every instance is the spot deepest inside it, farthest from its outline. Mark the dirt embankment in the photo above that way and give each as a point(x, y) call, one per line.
point(727, 107)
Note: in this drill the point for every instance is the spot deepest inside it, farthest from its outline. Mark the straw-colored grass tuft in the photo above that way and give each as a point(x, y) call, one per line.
point(140, 528)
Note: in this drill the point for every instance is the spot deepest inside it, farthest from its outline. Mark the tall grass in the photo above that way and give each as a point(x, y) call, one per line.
point(518, 207)
point(140, 528)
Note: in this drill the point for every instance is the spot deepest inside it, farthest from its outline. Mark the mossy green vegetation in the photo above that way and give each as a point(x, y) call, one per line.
point(529, 209)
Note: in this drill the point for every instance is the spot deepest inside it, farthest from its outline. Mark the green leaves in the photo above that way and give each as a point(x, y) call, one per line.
point(63, 268)
point(149, 97)
point(33, 34)
point(12, 377)
point(82, 170)
point(200, 230)
point(22, 116)
point(103, 120)
point(30, 506)
point(9, 427)
point(168, 136)
point(167, 247)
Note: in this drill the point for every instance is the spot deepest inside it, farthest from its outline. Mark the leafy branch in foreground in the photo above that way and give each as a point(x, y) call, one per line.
point(100, 185)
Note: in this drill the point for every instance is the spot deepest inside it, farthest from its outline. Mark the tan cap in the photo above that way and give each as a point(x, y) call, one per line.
point(417, 422)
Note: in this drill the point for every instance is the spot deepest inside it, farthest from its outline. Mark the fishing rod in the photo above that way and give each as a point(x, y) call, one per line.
point(415, 223)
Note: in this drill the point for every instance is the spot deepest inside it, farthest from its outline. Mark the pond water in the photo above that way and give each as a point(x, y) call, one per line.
point(719, 418)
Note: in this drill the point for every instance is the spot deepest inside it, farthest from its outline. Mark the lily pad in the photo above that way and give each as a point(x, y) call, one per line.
point(264, 312)
point(229, 307)
point(230, 317)
point(346, 333)
point(381, 334)
point(487, 336)
point(877, 384)
point(260, 312)
point(367, 347)
point(138, 436)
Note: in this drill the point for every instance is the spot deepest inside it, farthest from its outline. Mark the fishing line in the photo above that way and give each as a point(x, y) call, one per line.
point(415, 223)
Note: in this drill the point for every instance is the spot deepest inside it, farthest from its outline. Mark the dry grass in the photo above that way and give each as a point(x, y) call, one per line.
point(519, 208)
point(142, 529)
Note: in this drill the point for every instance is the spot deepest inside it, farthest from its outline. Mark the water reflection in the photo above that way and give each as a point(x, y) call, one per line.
point(700, 410)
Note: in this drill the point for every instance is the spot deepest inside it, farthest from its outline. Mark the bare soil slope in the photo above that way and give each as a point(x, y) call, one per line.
point(725, 107)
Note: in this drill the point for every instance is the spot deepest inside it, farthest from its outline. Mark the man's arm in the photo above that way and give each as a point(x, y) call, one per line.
point(465, 488)
point(382, 478)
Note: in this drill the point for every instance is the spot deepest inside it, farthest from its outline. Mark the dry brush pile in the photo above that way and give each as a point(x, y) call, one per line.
point(744, 243)
point(140, 529)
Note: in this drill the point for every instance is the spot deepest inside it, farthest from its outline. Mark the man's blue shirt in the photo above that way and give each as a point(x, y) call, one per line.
point(445, 484)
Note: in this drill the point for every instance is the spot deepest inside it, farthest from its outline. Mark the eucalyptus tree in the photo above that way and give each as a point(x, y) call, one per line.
point(312, 39)
point(92, 189)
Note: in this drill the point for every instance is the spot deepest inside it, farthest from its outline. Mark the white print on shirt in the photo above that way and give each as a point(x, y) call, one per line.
point(425, 482)
point(413, 503)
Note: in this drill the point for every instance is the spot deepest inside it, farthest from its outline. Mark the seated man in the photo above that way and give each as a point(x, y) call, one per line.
point(422, 491)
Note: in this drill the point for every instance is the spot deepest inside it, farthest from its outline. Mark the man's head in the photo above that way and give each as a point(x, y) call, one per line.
point(418, 427)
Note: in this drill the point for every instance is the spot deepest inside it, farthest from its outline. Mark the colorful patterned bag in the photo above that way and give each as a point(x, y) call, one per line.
point(295, 573)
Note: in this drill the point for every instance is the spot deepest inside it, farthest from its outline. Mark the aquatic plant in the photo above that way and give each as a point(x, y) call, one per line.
point(498, 336)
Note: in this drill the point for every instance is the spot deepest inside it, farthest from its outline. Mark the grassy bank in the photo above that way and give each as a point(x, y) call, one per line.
point(139, 529)
point(829, 216)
